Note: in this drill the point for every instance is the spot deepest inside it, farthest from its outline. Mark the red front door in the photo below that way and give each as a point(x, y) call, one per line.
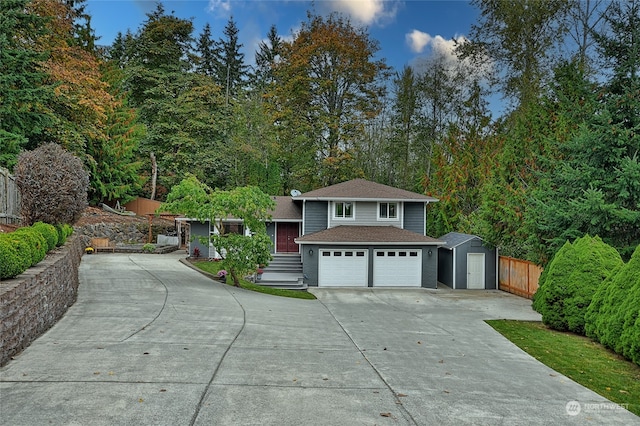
point(286, 233)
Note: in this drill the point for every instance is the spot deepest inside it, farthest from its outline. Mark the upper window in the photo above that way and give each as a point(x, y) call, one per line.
point(343, 210)
point(388, 210)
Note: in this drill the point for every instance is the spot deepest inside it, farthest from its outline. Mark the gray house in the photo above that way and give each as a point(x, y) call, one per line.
point(466, 262)
point(364, 234)
point(353, 234)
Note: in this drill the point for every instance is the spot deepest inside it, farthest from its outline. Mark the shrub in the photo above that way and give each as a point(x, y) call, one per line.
point(570, 281)
point(53, 185)
point(148, 248)
point(15, 255)
point(64, 231)
point(36, 240)
point(48, 232)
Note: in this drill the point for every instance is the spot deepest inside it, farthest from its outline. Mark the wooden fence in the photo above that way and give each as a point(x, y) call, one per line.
point(518, 276)
point(9, 199)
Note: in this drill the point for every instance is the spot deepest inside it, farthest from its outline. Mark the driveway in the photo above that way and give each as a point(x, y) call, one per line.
point(153, 342)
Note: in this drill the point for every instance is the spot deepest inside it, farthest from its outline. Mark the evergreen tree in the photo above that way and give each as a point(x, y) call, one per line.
point(206, 49)
point(595, 187)
point(232, 71)
point(24, 90)
point(266, 57)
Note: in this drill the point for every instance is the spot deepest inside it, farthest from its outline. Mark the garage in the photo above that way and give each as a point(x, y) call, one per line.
point(397, 268)
point(343, 268)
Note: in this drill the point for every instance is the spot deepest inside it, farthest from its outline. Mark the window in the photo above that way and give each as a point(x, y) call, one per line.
point(388, 210)
point(343, 210)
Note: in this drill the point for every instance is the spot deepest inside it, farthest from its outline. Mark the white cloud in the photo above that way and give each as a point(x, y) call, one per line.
point(219, 6)
point(417, 40)
point(365, 11)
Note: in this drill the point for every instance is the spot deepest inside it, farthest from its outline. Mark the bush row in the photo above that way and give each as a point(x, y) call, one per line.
point(588, 289)
point(25, 247)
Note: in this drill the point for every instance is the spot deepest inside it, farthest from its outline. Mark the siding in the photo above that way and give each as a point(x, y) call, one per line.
point(271, 232)
point(475, 246)
point(315, 217)
point(199, 230)
point(414, 219)
point(366, 214)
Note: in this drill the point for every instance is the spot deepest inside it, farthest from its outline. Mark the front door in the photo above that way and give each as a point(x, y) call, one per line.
point(475, 270)
point(286, 233)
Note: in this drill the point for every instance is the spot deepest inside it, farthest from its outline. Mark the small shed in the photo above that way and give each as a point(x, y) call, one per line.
point(466, 262)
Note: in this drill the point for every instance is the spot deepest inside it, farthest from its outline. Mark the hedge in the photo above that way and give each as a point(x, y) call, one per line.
point(25, 247)
point(48, 232)
point(569, 283)
point(36, 240)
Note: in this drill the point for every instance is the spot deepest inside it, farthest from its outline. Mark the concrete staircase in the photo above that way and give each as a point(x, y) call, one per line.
point(284, 271)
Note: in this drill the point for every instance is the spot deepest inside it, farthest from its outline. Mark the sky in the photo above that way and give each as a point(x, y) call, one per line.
point(406, 29)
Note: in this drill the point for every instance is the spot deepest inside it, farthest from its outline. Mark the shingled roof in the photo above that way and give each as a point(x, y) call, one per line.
point(361, 189)
point(286, 209)
point(386, 235)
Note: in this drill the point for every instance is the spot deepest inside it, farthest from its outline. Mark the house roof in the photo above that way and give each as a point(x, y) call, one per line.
point(454, 239)
point(361, 189)
point(286, 209)
point(386, 235)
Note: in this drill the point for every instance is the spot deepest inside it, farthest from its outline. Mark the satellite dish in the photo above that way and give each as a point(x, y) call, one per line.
point(295, 192)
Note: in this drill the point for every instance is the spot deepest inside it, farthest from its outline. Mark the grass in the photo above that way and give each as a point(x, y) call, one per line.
point(214, 267)
point(579, 358)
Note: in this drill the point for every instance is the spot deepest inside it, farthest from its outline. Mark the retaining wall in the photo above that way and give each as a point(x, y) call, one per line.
point(34, 301)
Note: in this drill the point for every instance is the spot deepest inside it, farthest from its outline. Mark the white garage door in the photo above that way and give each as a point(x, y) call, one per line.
point(399, 268)
point(343, 268)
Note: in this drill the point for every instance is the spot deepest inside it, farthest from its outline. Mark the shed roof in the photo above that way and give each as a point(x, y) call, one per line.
point(362, 189)
point(454, 239)
point(385, 235)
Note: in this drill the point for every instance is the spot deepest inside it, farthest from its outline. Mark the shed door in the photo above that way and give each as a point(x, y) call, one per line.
point(397, 268)
point(343, 268)
point(475, 270)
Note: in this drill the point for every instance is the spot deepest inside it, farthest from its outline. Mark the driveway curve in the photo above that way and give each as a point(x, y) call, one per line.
point(152, 342)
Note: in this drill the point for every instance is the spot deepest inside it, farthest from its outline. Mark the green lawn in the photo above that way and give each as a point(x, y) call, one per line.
point(214, 267)
point(579, 358)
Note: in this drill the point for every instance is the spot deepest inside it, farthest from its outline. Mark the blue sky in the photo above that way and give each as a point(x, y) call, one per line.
point(406, 30)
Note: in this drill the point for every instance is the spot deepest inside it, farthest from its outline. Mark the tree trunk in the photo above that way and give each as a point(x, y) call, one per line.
point(154, 175)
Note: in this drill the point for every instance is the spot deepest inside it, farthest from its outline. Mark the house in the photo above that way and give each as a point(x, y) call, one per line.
point(466, 262)
point(364, 234)
point(353, 234)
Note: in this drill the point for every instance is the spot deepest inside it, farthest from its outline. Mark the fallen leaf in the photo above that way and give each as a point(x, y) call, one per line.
point(385, 414)
point(163, 390)
point(419, 342)
point(441, 361)
point(608, 388)
point(145, 353)
point(446, 391)
point(111, 373)
point(96, 372)
point(553, 375)
point(140, 400)
point(401, 395)
point(623, 391)
point(384, 349)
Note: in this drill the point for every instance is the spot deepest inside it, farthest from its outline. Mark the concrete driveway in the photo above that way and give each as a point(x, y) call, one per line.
point(152, 342)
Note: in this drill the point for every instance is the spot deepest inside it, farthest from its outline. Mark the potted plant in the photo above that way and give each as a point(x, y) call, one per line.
point(259, 273)
point(222, 275)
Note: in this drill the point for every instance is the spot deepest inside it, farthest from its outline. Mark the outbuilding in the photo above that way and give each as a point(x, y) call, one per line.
point(466, 262)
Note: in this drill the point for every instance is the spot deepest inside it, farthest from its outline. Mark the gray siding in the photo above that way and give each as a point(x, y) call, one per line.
point(475, 246)
point(199, 230)
point(414, 219)
point(366, 214)
point(271, 232)
point(445, 266)
point(315, 216)
point(310, 264)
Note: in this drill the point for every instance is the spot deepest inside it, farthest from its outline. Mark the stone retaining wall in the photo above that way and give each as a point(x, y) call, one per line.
point(34, 301)
point(124, 233)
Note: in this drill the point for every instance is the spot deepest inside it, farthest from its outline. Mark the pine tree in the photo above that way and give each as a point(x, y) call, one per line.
point(24, 90)
point(232, 72)
point(206, 49)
